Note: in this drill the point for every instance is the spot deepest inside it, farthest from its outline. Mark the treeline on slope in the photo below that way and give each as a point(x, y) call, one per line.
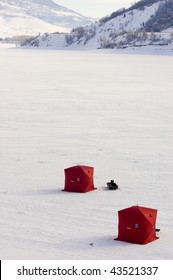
point(162, 19)
point(139, 5)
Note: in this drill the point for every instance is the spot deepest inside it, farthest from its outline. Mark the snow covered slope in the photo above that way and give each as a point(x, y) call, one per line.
point(149, 24)
point(30, 17)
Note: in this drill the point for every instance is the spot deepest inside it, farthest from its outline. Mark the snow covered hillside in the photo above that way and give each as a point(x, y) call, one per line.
point(107, 110)
point(144, 24)
point(30, 17)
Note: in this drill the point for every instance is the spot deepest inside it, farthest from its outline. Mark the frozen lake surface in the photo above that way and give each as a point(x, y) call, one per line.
point(107, 110)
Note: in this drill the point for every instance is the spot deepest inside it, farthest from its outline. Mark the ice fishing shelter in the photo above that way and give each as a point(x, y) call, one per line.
point(137, 224)
point(79, 179)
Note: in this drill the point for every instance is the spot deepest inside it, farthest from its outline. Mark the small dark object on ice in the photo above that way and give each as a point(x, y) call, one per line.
point(112, 185)
point(91, 244)
point(157, 229)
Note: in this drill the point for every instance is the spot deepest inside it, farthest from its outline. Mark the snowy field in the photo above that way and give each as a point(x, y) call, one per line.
point(107, 110)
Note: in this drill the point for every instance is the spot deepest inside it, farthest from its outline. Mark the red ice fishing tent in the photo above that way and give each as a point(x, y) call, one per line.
point(137, 225)
point(79, 179)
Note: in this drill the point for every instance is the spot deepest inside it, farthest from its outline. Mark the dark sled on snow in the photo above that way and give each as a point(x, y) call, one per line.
point(112, 185)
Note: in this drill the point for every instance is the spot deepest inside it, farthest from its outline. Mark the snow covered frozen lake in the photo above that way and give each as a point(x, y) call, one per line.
point(107, 110)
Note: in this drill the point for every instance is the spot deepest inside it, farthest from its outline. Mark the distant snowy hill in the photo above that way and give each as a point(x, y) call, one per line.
point(147, 22)
point(30, 17)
